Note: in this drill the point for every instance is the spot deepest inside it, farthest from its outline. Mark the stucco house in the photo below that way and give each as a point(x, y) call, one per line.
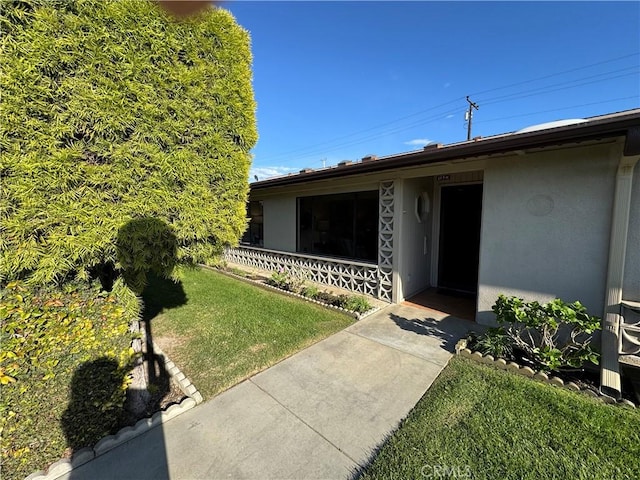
point(549, 211)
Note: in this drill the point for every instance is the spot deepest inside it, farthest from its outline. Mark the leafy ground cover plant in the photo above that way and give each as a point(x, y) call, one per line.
point(494, 342)
point(63, 367)
point(311, 292)
point(554, 335)
point(355, 303)
point(289, 280)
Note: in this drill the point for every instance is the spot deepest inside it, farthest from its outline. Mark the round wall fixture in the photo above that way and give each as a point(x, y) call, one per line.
point(540, 205)
point(422, 206)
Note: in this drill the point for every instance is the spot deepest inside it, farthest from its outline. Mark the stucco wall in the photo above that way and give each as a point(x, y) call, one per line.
point(546, 227)
point(631, 286)
point(415, 260)
point(280, 223)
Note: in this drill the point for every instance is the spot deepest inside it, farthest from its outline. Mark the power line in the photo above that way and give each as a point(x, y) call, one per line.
point(568, 82)
point(309, 150)
point(397, 129)
point(562, 88)
point(369, 137)
point(439, 116)
point(635, 54)
point(359, 132)
point(557, 109)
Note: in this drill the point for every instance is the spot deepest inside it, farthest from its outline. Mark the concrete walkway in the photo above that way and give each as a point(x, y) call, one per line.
point(320, 414)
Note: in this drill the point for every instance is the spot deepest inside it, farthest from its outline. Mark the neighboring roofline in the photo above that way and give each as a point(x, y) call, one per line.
point(604, 126)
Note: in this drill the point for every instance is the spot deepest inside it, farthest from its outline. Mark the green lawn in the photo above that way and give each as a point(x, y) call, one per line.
point(220, 330)
point(477, 422)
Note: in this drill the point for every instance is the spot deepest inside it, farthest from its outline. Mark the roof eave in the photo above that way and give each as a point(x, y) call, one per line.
point(594, 129)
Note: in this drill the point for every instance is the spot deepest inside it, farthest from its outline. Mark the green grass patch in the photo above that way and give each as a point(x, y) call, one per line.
point(477, 422)
point(220, 330)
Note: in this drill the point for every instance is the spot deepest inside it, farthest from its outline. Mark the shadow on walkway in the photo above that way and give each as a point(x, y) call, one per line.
point(448, 329)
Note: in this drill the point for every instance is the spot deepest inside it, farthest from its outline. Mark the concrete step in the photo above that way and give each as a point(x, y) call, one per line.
point(630, 360)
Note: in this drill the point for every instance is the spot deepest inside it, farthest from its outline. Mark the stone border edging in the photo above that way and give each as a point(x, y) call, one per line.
point(266, 286)
point(188, 388)
point(502, 364)
point(86, 454)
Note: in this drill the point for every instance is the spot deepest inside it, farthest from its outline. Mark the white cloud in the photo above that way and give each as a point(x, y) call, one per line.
point(419, 142)
point(267, 172)
point(451, 115)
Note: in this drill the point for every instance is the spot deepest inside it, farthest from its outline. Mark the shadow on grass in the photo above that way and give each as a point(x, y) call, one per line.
point(161, 294)
point(158, 295)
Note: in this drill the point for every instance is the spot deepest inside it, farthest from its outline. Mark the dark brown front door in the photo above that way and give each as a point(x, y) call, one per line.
point(459, 247)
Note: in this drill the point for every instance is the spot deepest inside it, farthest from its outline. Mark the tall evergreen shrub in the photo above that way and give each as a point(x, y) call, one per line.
point(115, 116)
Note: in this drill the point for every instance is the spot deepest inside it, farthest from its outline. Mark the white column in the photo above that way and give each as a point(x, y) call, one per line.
point(610, 368)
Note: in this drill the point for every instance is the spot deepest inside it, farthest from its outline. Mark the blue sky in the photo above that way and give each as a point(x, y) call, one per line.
point(339, 80)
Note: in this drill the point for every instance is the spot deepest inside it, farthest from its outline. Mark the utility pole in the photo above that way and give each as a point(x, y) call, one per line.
point(470, 116)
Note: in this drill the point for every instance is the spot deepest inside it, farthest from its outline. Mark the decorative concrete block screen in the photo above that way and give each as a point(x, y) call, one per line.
point(630, 329)
point(385, 242)
point(357, 277)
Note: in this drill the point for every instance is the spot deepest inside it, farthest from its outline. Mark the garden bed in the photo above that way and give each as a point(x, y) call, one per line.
point(553, 340)
point(152, 399)
point(578, 381)
point(220, 331)
point(65, 353)
point(294, 285)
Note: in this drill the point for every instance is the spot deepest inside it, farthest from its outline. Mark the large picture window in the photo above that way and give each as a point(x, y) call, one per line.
point(253, 235)
point(340, 225)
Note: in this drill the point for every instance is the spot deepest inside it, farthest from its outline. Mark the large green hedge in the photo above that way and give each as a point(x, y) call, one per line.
point(116, 121)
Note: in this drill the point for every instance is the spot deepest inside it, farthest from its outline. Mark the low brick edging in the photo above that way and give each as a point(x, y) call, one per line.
point(266, 286)
point(84, 455)
point(502, 364)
